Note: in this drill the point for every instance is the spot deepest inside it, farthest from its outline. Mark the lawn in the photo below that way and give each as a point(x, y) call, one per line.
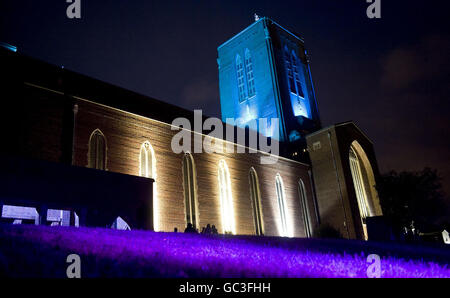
point(39, 251)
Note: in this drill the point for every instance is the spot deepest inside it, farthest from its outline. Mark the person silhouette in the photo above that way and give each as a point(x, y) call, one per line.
point(208, 229)
point(190, 229)
point(214, 230)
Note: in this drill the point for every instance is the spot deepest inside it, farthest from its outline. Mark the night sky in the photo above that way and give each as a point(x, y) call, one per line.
point(391, 75)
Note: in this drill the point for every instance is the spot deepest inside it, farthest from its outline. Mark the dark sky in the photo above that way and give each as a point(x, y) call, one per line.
point(391, 76)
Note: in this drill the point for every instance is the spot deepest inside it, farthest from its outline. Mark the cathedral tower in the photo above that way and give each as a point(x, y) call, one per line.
point(264, 73)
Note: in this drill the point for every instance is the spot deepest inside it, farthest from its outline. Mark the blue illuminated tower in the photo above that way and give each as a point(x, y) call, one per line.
point(264, 73)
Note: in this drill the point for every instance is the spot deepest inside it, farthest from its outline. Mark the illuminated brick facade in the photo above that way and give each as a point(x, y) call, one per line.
point(63, 109)
point(62, 117)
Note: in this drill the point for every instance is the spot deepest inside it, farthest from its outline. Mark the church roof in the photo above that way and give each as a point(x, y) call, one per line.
point(32, 71)
point(345, 123)
point(26, 70)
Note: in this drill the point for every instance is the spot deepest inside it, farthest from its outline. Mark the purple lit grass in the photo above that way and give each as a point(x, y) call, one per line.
point(41, 251)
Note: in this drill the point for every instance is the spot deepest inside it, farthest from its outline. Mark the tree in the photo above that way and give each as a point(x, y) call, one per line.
point(408, 197)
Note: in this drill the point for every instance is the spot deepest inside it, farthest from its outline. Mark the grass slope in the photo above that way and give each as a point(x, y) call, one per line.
point(38, 251)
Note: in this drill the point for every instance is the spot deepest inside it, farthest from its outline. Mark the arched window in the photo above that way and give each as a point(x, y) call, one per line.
point(97, 151)
point(281, 198)
point(146, 161)
point(358, 182)
point(256, 202)
point(364, 185)
point(226, 198)
point(249, 70)
point(305, 210)
point(147, 168)
point(240, 78)
point(293, 72)
point(190, 190)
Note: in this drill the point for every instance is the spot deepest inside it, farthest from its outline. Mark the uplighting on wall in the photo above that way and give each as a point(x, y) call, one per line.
point(226, 199)
point(285, 227)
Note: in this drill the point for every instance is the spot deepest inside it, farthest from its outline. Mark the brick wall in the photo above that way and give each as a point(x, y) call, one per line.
point(125, 133)
point(336, 197)
point(331, 191)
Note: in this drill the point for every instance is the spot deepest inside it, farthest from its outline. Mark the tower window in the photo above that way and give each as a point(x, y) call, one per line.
point(290, 73)
point(292, 69)
point(240, 79)
point(97, 151)
point(295, 70)
point(249, 70)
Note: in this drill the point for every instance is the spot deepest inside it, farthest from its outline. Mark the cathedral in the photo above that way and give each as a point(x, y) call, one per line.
point(78, 151)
